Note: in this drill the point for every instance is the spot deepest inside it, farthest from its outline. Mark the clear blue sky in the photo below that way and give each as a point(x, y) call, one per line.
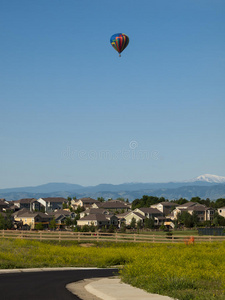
point(73, 111)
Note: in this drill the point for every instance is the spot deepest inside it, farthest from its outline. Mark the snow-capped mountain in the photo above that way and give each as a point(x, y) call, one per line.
point(209, 178)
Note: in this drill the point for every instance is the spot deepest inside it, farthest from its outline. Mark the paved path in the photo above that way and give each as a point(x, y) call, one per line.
point(44, 285)
point(68, 283)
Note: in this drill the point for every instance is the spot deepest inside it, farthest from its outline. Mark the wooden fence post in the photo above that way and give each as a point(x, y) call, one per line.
point(153, 238)
point(97, 236)
point(78, 236)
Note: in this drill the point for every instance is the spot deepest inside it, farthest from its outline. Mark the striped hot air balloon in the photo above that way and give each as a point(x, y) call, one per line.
point(119, 41)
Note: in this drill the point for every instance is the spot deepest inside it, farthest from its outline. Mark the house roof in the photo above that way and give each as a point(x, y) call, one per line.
point(138, 214)
point(95, 217)
point(120, 216)
point(61, 212)
point(189, 204)
point(116, 204)
point(3, 201)
point(20, 212)
point(88, 200)
point(27, 214)
point(199, 208)
point(27, 200)
point(55, 199)
point(161, 218)
point(96, 211)
point(150, 210)
point(165, 203)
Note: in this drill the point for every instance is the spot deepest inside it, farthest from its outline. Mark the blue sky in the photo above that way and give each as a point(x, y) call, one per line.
point(73, 111)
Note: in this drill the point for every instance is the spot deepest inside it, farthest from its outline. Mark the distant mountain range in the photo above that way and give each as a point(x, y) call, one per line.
point(204, 186)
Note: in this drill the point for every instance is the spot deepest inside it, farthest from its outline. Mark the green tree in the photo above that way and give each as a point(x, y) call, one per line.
point(79, 209)
point(149, 223)
point(52, 224)
point(133, 223)
point(39, 226)
point(186, 219)
point(220, 202)
point(195, 218)
point(180, 201)
point(69, 200)
point(68, 221)
point(121, 199)
point(6, 221)
point(123, 228)
point(146, 201)
point(101, 199)
point(218, 220)
point(65, 205)
point(2, 222)
point(111, 229)
point(139, 224)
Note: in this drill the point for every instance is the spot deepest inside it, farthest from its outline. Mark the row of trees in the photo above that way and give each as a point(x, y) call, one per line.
point(147, 201)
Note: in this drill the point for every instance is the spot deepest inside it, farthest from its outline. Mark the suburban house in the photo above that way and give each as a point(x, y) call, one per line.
point(52, 203)
point(3, 204)
point(114, 206)
point(31, 219)
point(204, 213)
point(128, 217)
point(221, 211)
point(61, 215)
point(94, 211)
point(165, 207)
point(149, 212)
point(83, 202)
point(140, 214)
point(99, 220)
point(29, 203)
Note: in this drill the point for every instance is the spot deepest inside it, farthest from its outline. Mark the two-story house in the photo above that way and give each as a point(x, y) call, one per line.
point(31, 219)
point(29, 203)
point(52, 203)
point(165, 207)
point(99, 220)
point(114, 206)
point(204, 213)
point(83, 202)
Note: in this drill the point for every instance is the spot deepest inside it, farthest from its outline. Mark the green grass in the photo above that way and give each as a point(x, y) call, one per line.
point(194, 272)
point(175, 232)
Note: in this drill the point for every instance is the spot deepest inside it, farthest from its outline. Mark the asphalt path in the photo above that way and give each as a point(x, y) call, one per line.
point(50, 285)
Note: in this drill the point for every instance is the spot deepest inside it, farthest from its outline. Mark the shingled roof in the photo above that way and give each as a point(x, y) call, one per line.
point(55, 199)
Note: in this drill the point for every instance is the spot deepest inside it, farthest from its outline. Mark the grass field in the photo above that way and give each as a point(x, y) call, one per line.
point(194, 272)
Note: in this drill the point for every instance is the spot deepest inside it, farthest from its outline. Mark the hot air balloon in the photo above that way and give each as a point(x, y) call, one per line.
point(119, 41)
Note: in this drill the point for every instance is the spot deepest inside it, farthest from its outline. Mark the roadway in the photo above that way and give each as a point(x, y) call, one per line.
point(49, 285)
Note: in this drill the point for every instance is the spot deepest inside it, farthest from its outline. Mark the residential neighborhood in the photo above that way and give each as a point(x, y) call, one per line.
point(59, 213)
